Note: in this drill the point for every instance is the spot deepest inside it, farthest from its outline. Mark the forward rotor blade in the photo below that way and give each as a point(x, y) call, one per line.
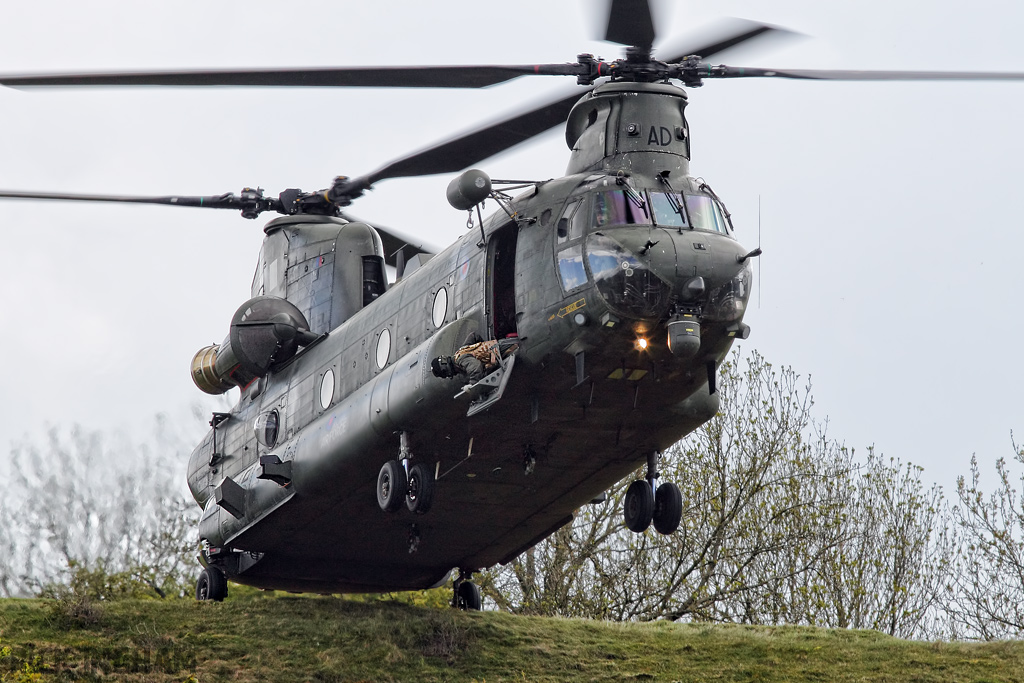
point(630, 23)
point(849, 75)
point(353, 77)
point(481, 143)
point(637, 26)
point(733, 32)
point(473, 146)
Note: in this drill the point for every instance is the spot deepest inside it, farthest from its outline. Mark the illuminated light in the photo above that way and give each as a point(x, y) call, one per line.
point(641, 344)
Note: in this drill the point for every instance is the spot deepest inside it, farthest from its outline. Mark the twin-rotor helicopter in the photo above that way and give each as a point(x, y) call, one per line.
point(360, 455)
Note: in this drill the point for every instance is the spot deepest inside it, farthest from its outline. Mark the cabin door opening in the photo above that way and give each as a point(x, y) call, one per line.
point(502, 278)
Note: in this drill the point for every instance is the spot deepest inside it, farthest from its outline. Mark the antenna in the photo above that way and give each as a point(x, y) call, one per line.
point(759, 248)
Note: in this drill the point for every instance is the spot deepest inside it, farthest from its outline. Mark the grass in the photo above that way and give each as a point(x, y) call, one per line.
point(253, 637)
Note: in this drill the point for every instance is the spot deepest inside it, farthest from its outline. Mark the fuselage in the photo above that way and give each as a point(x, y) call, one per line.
point(586, 267)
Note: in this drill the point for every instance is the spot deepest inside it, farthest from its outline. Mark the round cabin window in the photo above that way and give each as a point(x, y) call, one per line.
point(327, 389)
point(267, 428)
point(383, 347)
point(440, 307)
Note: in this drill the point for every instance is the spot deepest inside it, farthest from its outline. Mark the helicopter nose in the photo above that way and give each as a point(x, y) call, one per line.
point(665, 267)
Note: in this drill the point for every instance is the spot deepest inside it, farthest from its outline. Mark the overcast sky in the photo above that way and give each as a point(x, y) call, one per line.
point(889, 212)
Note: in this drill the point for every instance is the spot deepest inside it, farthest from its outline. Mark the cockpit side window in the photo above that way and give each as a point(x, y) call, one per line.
point(570, 226)
point(570, 229)
point(570, 267)
point(723, 216)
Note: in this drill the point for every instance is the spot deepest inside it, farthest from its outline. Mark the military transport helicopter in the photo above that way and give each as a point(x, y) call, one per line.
point(621, 284)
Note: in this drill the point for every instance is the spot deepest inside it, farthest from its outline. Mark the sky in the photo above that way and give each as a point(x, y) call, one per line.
point(888, 212)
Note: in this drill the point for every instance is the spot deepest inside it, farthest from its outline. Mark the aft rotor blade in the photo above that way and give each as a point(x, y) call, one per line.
point(223, 201)
point(630, 23)
point(352, 77)
point(849, 75)
point(395, 240)
point(481, 143)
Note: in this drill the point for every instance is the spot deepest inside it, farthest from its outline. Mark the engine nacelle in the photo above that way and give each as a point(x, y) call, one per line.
point(265, 331)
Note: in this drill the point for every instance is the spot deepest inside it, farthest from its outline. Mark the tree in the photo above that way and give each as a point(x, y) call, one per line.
point(780, 526)
point(753, 484)
point(90, 501)
point(889, 570)
point(989, 582)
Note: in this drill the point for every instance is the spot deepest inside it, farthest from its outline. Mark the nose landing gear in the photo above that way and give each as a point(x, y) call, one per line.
point(645, 504)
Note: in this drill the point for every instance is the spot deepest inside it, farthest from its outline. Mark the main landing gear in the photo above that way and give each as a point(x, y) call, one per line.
point(212, 584)
point(399, 481)
point(466, 593)
point(645, 504)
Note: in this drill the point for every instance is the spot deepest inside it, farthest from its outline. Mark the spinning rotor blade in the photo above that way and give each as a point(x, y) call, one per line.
point(396, 242)
point(223, 201)
point(734, 32)
point(353, 77)
point(473, 146)
point(481, 143)
point(249, 200)
point(630, 23)
point(849, 75)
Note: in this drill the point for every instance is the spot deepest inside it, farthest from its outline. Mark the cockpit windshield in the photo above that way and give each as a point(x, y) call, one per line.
point(616, 207)
point(705, 213)
point(665, 209)
point(620, 274)
point(668, 210)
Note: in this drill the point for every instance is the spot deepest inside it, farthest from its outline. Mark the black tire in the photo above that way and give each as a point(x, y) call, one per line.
point(420, 494)
point(668, 508)
point(212, 584)
point(391, 486)
point(639, 506)
point(469, 596)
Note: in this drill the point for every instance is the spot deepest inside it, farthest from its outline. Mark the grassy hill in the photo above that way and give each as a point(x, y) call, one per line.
point(301, 638)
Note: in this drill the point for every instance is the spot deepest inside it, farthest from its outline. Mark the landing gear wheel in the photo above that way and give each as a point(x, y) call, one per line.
point(212, 584)
point(668, 508)
point(467, 595)
point(639, 506)
point(391, 486)
point(421, 489)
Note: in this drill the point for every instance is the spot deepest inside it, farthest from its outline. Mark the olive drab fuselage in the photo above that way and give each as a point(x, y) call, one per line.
point(589, 272)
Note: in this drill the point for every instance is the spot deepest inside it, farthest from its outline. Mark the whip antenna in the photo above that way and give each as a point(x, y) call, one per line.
point(759, 248)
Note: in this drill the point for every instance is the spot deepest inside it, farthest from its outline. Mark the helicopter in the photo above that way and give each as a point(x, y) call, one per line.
point(608, 374)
